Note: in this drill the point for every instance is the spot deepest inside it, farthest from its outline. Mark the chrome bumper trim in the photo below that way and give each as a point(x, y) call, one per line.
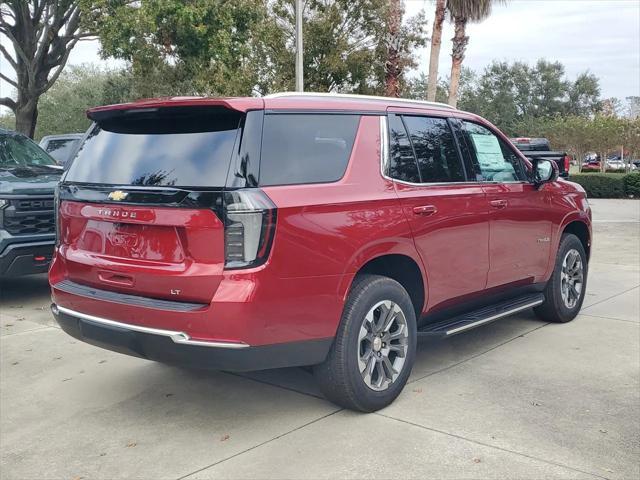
point(177, 337)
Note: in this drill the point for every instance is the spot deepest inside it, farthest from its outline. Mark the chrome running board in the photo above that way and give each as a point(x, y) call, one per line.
point(476, 318)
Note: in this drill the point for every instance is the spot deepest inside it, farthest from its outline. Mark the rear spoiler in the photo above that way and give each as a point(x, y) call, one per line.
point(99, 114)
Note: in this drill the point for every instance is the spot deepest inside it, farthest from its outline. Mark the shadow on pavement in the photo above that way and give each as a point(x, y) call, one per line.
point(20, 290)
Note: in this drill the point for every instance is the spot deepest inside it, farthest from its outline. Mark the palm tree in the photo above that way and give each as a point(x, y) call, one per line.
point(436, 41)
point(393, 67)
point(462, 12)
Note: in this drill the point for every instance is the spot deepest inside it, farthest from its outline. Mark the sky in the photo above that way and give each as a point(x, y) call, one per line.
point(599, 36)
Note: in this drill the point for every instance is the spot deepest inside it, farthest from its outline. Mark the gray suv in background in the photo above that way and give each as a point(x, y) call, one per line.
point(28, 177)
point(61, 147)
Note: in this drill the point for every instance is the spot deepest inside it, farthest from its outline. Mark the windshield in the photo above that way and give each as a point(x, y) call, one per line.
point(19, 151)
point(168, 147)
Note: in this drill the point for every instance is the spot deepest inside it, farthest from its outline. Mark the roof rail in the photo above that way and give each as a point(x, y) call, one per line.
point(357, 97)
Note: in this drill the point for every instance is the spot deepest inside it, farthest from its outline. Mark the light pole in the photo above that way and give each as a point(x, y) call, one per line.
point(299, 67)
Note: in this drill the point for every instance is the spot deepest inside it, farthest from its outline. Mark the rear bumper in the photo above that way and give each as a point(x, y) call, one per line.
point(174, 347)
point(26, 258)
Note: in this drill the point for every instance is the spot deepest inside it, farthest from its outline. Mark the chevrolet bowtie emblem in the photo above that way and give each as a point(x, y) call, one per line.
point(117, 195)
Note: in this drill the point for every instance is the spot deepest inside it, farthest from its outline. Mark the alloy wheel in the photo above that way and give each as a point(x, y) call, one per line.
point(383, 342)
point(572, 278)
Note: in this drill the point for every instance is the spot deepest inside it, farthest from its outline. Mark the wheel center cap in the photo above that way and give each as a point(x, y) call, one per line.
point(377, 344)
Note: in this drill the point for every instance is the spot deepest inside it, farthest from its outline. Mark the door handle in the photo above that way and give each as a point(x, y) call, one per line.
point(425, 210)
point(498, 203)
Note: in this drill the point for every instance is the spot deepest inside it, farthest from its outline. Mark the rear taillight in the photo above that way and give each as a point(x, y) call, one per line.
point(56, 213)
point(249, 227)
point(567, 163)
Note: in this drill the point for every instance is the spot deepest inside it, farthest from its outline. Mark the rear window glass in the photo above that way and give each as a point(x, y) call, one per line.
point(306, 148)
point(187, 147)
point(61, 149)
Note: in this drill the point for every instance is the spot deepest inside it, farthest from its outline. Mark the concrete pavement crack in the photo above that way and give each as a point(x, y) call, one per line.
point(460, 437)
point(515, 338)
point(609, 298)
point(260, 444)
point(609, 318)
point(44, 327)
point(476, 355)
point(264, 382)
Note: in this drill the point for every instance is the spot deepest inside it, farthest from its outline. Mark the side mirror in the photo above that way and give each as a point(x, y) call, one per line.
point(545, 171)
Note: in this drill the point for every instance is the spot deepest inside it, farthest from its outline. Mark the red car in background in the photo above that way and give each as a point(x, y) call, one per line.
point(308, 229)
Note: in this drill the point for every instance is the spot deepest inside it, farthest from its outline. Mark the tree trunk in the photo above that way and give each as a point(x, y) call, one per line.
point(460, 41)
point(436, 42)
point(26, 117)
point(393, 69)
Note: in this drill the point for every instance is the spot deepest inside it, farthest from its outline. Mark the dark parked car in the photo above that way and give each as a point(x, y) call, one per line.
point(28, 176)
point(308, 229)
point(61, 147)
point(540, 148)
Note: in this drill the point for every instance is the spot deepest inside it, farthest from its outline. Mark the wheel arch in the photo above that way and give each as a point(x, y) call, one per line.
point(402, 268)
point(581, 230)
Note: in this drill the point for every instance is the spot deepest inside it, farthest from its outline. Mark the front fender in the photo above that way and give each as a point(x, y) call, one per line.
point(571, 217)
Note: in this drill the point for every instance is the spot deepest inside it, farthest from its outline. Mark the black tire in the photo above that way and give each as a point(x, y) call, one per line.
point(554, 308)
point(339, 376)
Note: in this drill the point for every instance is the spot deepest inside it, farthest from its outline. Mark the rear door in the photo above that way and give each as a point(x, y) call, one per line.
point(140, 203)
point(447, 211)
point(520, 213)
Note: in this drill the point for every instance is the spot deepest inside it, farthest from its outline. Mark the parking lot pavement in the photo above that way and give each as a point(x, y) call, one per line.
point(515, 399)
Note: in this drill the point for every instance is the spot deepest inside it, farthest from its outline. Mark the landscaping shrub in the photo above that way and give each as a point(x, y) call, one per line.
point(632, 184)
point(604, 185)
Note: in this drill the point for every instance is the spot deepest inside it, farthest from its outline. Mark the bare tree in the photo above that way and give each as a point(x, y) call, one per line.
point(42, 34)
point(436, 42)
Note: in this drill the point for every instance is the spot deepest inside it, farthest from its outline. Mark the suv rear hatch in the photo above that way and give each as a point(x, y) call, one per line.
point(140, 206)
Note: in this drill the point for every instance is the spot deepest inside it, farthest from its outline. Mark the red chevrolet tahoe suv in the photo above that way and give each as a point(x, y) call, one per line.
point(308, 229)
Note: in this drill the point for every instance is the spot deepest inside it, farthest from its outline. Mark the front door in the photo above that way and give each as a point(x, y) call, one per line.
point(448, 215)
point(519, 213)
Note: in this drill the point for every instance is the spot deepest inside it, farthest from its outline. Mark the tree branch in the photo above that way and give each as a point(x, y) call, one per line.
point(8, 102)
point(16, 46)
point(8, 80)
point(9, 58)
point(61, 66)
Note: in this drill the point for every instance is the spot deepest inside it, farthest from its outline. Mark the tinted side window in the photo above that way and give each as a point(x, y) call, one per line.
point(435, 149)
point(493, 157)
point(306, 148)
point(402, 162)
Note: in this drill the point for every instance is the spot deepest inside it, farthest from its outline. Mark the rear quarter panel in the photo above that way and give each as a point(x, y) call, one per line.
point(327, 232)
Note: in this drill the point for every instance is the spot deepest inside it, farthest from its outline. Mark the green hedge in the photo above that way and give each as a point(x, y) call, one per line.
point(632, 184)
point(609, 185)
